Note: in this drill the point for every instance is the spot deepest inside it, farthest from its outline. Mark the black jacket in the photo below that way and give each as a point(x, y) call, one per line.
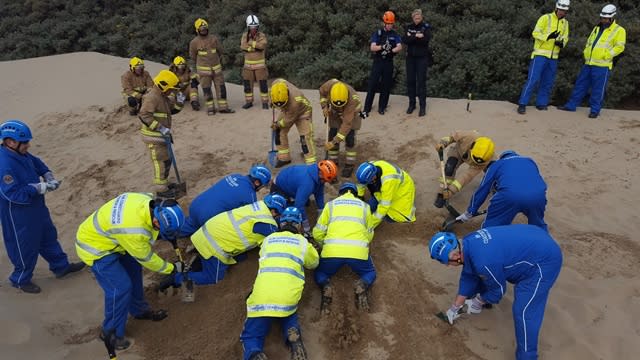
point(417, 46)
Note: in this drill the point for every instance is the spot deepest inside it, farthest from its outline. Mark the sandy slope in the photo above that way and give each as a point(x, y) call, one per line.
point(72, 103)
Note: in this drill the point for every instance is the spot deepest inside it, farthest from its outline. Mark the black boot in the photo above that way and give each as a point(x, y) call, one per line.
point(265, 106)
point(411, 108)
point(439, 203)
point(347, 170)
point(281, 163)
point(73, 267)
point(522, 109)
point(195, 105)
point(423, 111)
point(247, 105)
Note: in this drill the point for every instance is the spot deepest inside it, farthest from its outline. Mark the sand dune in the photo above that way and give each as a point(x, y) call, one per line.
point(72, 102)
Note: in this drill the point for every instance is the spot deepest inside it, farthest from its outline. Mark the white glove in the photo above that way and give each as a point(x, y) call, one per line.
point(165, 131)
point(474, 306)
point(41, 187)
point(464, 217)
point(453, 313)
point(180, 97)
point(52, 183)
point(305, 226)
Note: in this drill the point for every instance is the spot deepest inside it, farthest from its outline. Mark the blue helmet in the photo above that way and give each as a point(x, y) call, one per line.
point(292, 215)
point(348, 186)
point(16, 130)
point(276, 202)
point(508, 153)
point(260, 173)
point(441, 245)
point(365, 173)
point(171, 219)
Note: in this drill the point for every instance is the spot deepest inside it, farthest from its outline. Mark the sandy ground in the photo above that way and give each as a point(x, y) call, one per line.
point(73, 105)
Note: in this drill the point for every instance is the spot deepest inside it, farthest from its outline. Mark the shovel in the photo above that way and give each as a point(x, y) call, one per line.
point(451, 219)
point(179, 189)
point(272, 156)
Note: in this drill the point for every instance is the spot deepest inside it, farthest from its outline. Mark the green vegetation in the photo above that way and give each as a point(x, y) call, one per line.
point(482, 46)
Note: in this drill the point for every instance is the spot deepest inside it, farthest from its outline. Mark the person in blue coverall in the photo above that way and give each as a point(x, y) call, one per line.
point(27, 228)
point(231, 192)
point(524, 255)
point(299, 182)
point(519, 188)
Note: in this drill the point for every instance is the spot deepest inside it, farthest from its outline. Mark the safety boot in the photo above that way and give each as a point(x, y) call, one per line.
point(439, 203)
point(298, 351)
point(522, 109)
point(411, 108)
point(29, 288)
point(327, 297)
point(281, 163)
point(167, 194)
point(195, 105)
point(347, 170)
point(247, 105)
point(227, 111)
point(119, 344)
point(133, 112)
point(259, 356)
point(73, 267)
point(422, 111)
point(211, 111)
point(265, 106)
point(362, 299)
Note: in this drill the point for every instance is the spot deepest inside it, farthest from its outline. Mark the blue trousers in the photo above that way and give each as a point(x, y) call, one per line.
point(330, 266)
point(257, 328)
point(542, 74)
point(27, 238)
point(380, 78)
point(504, 208)
point(530, 300)
point(210, 272)
point(120, 277)
point(592, 78)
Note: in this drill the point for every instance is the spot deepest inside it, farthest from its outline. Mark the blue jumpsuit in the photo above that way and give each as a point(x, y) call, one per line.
point(519, 188)
point(298, 182)
point(27, 227)
point(524, 255)
point(231, 192)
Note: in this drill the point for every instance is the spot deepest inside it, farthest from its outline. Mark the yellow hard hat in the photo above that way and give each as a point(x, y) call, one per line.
point(339, 94)
point(279, 94)
point(179, 60)
point(200, 23)
point(135, 61)
point(481, 150)
point(166, 80)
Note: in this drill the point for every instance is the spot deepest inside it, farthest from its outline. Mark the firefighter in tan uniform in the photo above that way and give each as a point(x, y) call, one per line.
point(294, 108)
point(135, 83)
point(155, 115)
point(254, 45)
point(341, 105)
point(469, 147)
point(205, 51)
point(185, 78)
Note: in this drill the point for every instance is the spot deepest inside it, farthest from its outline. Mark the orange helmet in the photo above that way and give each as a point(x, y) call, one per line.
point(389, 17)
point(328, 170)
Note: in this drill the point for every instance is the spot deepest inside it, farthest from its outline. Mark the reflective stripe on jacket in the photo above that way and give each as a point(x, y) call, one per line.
point(278, 286)
point(231, 233)
point(123, 225)
point(610, 44)
point(547, 24)
point(155, 111)
point(344, 228)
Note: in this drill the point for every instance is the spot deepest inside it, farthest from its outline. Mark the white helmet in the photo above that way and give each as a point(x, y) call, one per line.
point(562, 4)
point(252, 20)
point(608, 11)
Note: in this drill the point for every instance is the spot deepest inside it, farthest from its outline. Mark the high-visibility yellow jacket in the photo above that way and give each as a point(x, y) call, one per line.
point(547, 24)
point(231, 233)
point(123, 225)
point(278, 286)
point(344, 228)
point(396, 194)
point(610, 44)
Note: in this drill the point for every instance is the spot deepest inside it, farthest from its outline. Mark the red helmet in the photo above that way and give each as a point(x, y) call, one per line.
point(328, 170)
point(389, 17)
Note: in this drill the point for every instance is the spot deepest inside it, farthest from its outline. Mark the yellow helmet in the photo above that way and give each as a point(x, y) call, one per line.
point(166, 80)
point(179, 60)
point(279, 94)
point(339, 94)
point(482, 150)
point(200, 23)
point(135, 61)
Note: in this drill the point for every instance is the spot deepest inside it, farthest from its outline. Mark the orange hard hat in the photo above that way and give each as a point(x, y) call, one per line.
point(328, 170)
point(389, 17)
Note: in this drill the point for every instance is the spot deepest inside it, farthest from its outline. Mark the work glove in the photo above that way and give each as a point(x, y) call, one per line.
point(194, 83)
point(440, 146)
point(474, 306)
point(553, 35)
point(453, 313)
point(329, 145)
point(274, 126)
point(52, 183)
point(41, 187)
point(165, 131)
point(326, 111)
point(446, 194)
point(180, 97)
point(464, 217)
point(560, 42)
